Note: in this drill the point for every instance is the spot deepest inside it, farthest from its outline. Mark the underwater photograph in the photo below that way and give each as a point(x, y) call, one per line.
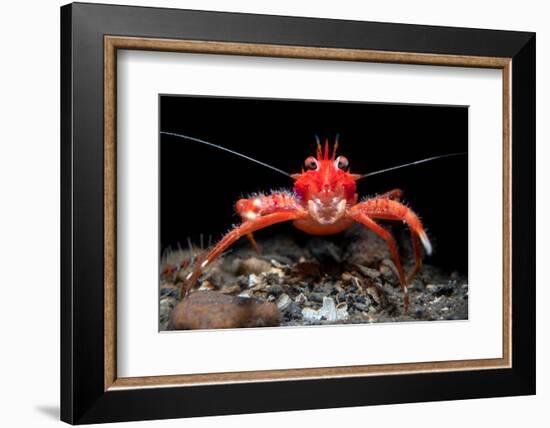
point(290, 213)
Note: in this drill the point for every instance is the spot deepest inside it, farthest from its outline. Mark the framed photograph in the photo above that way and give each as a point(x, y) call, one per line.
point(262, 206)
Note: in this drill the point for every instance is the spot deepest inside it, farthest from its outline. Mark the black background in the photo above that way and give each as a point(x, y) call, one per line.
point(199, 185)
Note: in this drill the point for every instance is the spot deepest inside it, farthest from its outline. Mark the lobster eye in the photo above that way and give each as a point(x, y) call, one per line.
point(341, 162)
point(311, 163)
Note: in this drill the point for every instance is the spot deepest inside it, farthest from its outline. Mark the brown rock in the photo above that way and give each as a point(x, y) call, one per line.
point(214, 310)
point(253, 265)
point(378, 295)
point(346, 276)
point(307, 270)
point(231, 289)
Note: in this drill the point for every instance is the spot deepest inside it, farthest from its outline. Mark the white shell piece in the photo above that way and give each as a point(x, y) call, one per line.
point(253, 280)
point(329, 311)
point(283, 301)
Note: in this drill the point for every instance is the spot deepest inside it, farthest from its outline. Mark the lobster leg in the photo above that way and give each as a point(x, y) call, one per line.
point(246, 228)
point(417, 257)
point(386, 235)
point(396, 195)
point(253, 242)
point(386, 209)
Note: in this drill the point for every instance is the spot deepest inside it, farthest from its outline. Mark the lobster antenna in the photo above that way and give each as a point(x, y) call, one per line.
point(206, 143)
point(380, 171)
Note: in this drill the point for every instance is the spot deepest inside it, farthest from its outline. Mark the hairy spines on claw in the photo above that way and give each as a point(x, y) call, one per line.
point(389, 209)
point(259, 205)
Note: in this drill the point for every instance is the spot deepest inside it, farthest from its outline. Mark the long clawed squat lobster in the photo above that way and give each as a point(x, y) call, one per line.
point(324, 202)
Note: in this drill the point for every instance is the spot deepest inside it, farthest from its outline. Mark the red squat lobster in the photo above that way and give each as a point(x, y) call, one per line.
point(324, 202)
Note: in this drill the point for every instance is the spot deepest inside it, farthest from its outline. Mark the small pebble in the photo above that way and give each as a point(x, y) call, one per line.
point(300, 298)
point(377, 295)
point(361, 306)
point(275, 290)
point(206, 285)
point(253, 280)
point(277, 264)
point(328, 312)
point(388, 270)
point(246, 294)
point(311, 314)
point(342, 311)
point(231, 289)
point(169, 292)
point(444, 290)
point(437, 300)
point(283, 301)
point(316, 297)
point(273, 278)
point(369, 272)
point(166, 302)
point(294, 311)
point(253, 265)
point(346, 276)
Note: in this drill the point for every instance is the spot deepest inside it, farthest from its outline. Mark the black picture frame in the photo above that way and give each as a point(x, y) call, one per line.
point(83, 396)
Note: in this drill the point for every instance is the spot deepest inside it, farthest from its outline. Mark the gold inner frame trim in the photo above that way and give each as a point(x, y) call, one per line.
point(113, 43)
